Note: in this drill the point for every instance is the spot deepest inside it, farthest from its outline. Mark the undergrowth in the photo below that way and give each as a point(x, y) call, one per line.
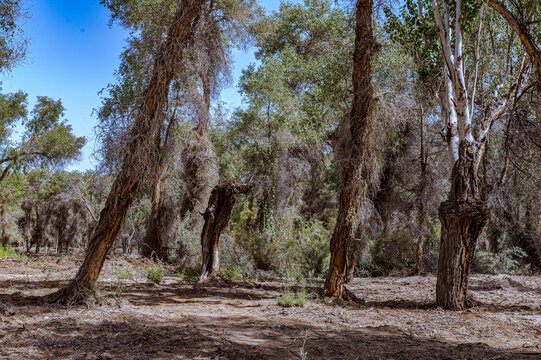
point(9, 252)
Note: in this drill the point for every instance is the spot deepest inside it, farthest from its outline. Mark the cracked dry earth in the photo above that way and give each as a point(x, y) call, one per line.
point(395, 318)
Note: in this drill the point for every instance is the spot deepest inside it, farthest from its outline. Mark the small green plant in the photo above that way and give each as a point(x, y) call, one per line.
point(287, 299)
point(9, 252)
point(123, 274)
point(189, 276)
point(155, 274)
point(233, 272)
point(300, 299)
point(119, 290)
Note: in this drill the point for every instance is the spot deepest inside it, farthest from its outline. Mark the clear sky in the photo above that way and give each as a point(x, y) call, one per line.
point(73, 54)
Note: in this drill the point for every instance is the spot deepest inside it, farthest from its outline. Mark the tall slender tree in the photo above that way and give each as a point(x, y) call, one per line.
point(354, 150)
point(135, 162)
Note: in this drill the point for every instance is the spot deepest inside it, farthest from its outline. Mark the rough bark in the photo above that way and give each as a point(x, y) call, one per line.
point(462, 224)
point(463, 218)
point(4, 236)
point(421, 210)
point(217, 217)
point(354, 255)
point(354, 151)
point(153, 243)
point(135, 162)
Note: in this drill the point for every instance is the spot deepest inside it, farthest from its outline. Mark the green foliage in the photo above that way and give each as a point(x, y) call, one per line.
point(155, 274)
point(123, 274)
point(297, 248)
point(189, 276)
point(9, 252)
point(12, 45)
point(505, 260)
point(288, 299)
point(394, 253)
point(232, 272)
point(46, 139)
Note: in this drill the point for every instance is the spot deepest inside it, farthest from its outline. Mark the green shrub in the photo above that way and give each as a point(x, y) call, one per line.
point(155, 274)
point(232, 272)
point(287, 299)
point(9, 252)
point(123, 274)
point(394, 253)
point(189, 276)
point(505, 261)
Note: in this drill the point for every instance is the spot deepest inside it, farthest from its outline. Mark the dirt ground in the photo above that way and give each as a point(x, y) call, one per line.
point(134, 319)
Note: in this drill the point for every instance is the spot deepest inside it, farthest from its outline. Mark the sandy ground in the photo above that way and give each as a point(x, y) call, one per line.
point(132, 319)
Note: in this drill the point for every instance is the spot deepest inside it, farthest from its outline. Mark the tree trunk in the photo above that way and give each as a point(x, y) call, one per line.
point(153, 246)
point(463, 218)
point(4, 226)
point(354, 255)
point(155, 242)
point(354, 151)
point(217, 217)
point(421, 211)
point(135, 162)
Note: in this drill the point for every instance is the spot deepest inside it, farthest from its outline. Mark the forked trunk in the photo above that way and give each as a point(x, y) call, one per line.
point(354, 151)
point(135, 162)
point(217, 216)
point(463, 218)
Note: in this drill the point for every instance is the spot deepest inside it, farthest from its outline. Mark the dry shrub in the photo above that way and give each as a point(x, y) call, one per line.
point(200, 174)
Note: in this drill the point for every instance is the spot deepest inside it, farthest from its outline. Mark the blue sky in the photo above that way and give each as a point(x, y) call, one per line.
point(73, 54)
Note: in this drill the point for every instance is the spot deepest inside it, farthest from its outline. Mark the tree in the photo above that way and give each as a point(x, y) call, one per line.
point(45, 140)
point(204, 69)
point(135, 164)
point(217, 216)
point(13, 46)
point(464, 214)
point(524, 27)
point(354, 150)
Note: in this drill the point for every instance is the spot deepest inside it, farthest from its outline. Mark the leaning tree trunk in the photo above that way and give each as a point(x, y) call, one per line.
point(463, 218)
point(135, 162)
point(354, 151)
point(217, 217)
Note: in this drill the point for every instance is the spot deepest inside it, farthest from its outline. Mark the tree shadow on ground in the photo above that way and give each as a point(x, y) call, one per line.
point(132, 336)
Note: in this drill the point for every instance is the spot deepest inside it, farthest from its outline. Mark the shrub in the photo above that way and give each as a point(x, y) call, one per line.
point(232, 272)
point(155, 274)
point(189, 276)
point(287, 299)
point(394, 253)
point(9, 252)
point(505, 261)
point(123, 274)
